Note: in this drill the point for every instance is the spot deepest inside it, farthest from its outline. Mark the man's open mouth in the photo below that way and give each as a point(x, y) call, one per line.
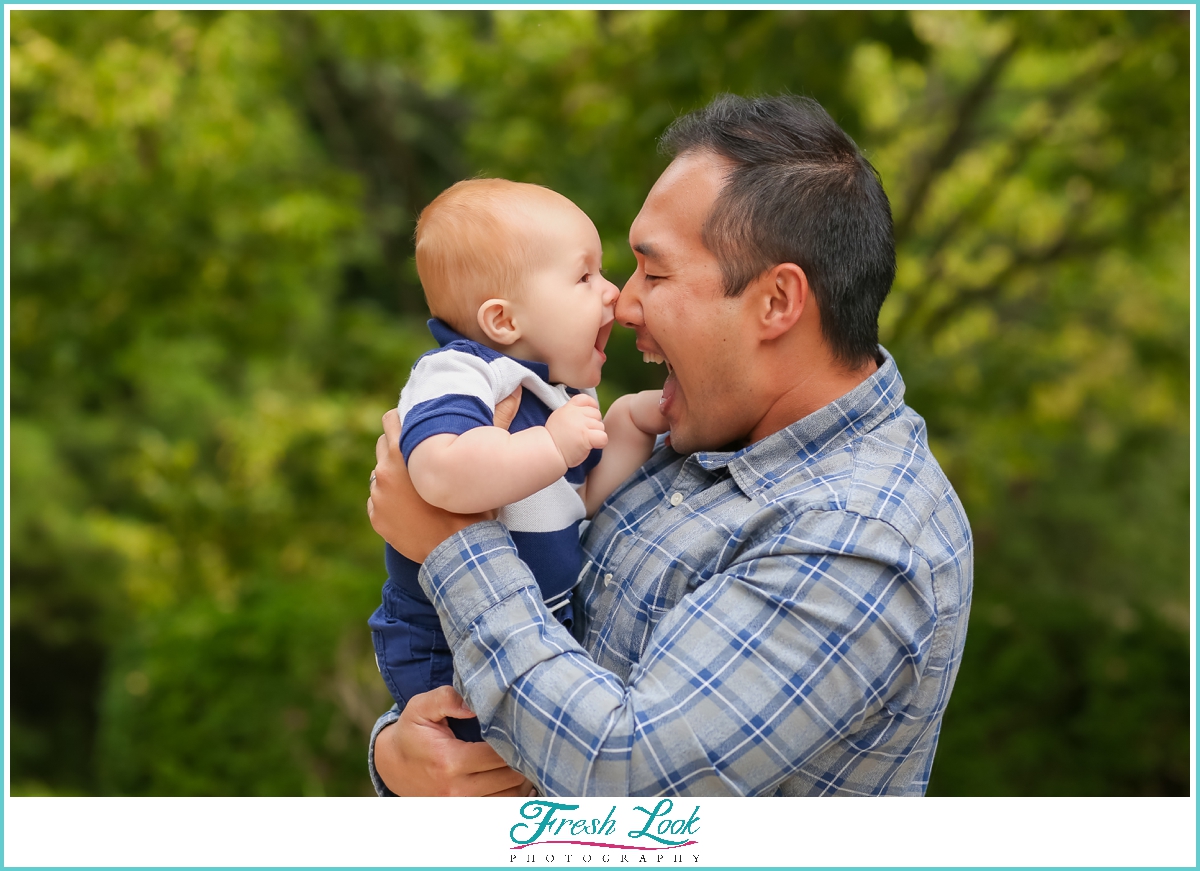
point(651, 357)
point(670, 385)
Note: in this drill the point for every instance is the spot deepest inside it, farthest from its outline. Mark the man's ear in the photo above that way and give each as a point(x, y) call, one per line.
point(495, 317)
point(784, 294)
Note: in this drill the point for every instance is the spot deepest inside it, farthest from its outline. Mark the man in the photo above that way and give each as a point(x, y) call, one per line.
point(775, 603)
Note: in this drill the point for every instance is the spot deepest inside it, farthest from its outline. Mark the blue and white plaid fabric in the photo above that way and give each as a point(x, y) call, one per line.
point(786, 619)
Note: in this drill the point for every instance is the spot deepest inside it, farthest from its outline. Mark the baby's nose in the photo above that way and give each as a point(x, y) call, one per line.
point(611, 292)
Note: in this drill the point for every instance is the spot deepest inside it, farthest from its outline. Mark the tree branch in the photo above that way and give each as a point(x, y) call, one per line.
point(956, 140)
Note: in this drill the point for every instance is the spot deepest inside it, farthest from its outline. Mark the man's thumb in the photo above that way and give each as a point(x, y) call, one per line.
point(438, 704)
point(506, 409)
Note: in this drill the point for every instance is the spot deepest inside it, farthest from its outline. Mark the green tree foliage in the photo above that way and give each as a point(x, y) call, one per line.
point(190, 558)
point(213, 301)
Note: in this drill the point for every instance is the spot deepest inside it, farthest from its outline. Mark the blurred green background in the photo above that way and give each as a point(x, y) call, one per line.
point(213, 301)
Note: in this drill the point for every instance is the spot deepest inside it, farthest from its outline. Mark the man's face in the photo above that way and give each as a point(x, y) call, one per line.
point(675, 303)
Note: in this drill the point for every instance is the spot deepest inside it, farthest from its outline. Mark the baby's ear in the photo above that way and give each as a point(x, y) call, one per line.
point(495, 317)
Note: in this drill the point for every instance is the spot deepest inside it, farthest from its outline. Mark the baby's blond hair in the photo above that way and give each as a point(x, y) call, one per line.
point(475, 241)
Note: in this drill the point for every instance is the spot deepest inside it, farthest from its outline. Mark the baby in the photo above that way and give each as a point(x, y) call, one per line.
point(511, 273)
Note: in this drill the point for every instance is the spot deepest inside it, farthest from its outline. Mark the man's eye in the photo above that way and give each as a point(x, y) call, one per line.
point(650, 277)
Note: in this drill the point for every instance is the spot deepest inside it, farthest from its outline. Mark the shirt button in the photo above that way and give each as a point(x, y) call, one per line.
point(676, 498)
point(608, 579)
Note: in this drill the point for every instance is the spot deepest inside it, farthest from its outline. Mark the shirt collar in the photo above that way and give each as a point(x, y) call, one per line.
point(444, 334)
point(758, 466)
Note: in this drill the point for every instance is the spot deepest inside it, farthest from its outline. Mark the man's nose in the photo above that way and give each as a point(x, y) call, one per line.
point(629, 305)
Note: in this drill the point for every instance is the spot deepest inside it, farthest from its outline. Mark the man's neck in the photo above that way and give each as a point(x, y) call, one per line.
point(816, 387)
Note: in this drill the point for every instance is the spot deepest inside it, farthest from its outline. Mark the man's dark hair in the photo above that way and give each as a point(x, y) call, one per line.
point(800, 192)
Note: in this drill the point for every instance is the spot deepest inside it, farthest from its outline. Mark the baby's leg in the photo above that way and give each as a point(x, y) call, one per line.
point(410, 649)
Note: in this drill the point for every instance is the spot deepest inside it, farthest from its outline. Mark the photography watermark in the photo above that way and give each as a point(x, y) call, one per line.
point(567, 834)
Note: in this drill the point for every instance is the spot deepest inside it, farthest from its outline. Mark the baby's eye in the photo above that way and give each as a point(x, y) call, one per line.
point(587, 277)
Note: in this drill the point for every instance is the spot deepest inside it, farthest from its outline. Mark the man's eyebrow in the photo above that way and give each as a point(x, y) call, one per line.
point(645, 249)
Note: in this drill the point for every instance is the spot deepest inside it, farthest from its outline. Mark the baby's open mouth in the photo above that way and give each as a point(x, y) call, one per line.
point(602, 336)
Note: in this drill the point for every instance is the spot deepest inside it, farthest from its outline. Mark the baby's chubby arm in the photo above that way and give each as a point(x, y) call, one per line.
point(632, 422)
point(487, 467)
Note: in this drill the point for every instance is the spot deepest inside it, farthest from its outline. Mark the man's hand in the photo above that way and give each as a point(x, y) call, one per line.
point(577, 428)
point(398, 513)
point(419, 755)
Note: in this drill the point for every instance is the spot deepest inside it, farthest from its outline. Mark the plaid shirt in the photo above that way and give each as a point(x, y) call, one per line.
point(785, 619)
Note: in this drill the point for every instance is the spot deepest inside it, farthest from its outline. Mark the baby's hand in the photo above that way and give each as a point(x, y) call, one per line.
point(643, 410)
point(577, 428)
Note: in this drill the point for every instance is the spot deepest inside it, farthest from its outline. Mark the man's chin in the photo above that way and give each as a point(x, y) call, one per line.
point(687, 441)
point(681, 442)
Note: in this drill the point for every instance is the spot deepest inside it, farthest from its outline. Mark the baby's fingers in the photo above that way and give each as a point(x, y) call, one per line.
point(584, 401)
point(596, 434)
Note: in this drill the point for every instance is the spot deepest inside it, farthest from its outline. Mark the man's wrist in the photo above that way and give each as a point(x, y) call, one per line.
point(383, 722)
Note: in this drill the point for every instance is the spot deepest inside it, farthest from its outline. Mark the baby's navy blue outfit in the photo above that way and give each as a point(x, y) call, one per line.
point(452, 389)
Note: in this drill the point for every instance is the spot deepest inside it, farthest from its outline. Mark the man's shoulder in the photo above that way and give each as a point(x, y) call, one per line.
point(896, 474)
point(886, 473)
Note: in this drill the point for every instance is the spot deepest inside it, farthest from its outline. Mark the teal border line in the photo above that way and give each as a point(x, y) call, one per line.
point(827, 6)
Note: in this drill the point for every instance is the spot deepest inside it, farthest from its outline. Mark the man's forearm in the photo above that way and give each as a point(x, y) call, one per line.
point(510, 603)
point(703, 701)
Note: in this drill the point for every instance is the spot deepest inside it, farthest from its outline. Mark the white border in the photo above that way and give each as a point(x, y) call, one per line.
point(99, 832)
point(733, 832)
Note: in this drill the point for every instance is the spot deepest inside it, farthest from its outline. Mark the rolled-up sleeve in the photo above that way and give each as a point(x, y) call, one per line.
point(386, 720)
point(752, 674)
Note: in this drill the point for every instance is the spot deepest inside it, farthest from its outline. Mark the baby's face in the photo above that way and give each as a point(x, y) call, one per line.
point(565, 308)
